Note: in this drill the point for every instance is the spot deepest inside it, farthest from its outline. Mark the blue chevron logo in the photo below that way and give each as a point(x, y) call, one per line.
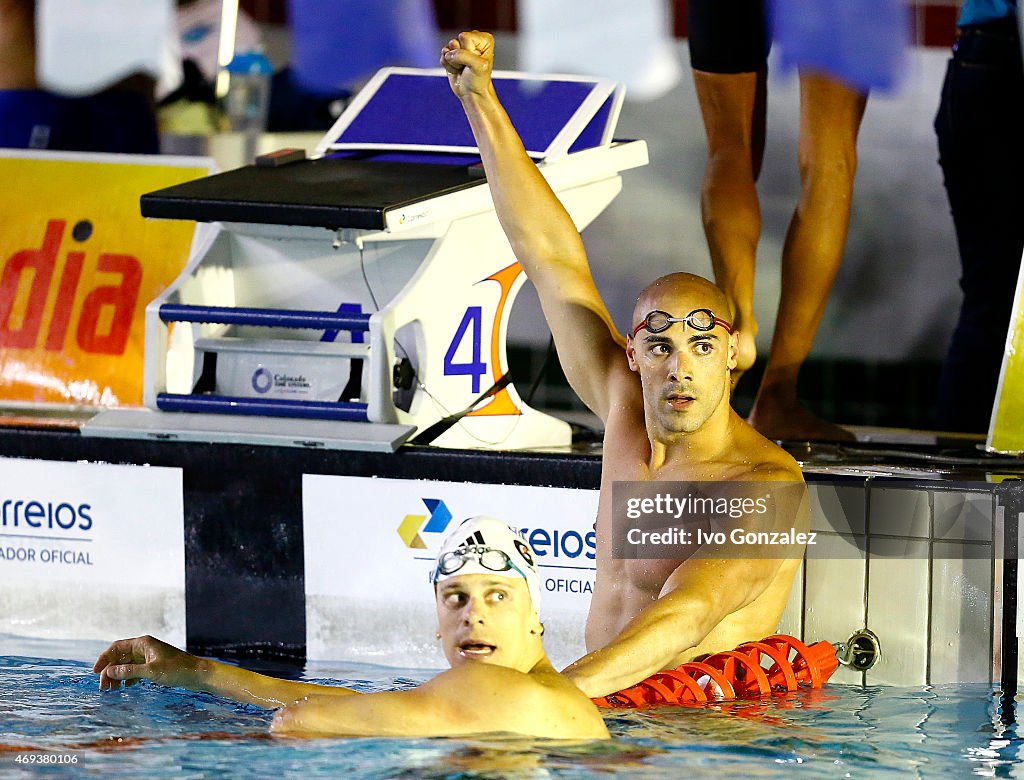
point(435, 523)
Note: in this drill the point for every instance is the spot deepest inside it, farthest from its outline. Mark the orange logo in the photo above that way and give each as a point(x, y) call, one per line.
point(502, 402)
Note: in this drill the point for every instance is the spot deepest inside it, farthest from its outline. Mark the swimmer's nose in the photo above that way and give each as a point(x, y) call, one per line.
point(678, 369)
point(474, 612)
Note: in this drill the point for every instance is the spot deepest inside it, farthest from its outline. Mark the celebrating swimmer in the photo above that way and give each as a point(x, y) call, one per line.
point(487, 594)
point(663, 396)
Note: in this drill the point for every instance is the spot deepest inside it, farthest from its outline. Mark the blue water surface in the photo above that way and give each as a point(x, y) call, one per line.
point(52, 710)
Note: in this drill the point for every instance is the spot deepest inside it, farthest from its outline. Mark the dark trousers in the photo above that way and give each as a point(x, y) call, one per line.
point(980, 128)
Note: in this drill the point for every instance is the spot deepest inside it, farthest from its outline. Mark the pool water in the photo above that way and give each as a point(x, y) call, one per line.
point(52, 710)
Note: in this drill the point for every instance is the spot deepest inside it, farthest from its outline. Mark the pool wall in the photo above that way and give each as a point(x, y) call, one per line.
point(918, 561)
point(933, 594)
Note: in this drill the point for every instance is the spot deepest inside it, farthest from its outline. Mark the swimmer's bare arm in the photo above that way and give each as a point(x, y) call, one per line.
point(541, 232)
point(132, 660)
point(471, 699)
point(696, 597)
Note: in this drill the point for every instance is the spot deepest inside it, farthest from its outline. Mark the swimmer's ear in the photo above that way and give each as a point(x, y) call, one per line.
point(734, 350)
point(631, 354)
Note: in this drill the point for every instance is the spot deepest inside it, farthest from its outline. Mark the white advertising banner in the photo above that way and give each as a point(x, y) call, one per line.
point(370, 546)
point(91, 551)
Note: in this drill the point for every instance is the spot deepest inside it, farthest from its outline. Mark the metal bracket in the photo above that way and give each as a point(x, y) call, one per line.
point(860, 652)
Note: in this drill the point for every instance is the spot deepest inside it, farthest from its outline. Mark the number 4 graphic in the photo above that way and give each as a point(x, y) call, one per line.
point(475, 368)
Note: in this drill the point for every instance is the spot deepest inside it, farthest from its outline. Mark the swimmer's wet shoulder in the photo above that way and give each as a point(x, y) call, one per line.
point(471, 699)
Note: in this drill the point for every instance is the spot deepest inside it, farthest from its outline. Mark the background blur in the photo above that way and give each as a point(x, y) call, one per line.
point(895, 301)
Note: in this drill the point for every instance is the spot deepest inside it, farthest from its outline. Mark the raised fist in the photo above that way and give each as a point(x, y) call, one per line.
point(468, 59)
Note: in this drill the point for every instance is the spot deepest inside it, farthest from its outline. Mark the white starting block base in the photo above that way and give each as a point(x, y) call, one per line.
point(371, 284)
point(227, 429)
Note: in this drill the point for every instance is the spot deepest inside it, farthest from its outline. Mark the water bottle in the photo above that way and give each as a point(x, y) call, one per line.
point(248, 97)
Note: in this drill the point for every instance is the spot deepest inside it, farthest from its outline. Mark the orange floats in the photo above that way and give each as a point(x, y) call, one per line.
point(775, 664)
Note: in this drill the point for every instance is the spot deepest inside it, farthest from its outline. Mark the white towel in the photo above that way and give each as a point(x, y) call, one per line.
point(84, 46)
point(628, 42)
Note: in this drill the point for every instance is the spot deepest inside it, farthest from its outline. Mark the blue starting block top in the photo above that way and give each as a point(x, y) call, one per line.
point(408, 109)
point(403, 139)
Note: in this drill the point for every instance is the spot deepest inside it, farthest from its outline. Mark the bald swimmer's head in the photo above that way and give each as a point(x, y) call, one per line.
point(680, 293)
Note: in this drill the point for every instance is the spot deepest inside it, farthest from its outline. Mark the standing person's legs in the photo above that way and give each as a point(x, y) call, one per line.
point(830, 117)
point(17, 45)
point(728, 51)
point(733, 109)
point(980, 125)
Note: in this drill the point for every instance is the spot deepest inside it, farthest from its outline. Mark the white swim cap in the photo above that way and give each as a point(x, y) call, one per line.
point(464, 551)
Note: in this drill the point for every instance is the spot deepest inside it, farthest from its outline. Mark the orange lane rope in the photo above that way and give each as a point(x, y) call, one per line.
point(775, 664)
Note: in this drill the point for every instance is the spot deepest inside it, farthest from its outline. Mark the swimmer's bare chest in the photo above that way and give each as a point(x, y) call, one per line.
point(625, 587)
point(634, 580)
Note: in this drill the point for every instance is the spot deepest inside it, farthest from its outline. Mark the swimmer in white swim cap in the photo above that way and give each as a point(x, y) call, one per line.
point(486, 545)
point(486, 591)
point(488, 596)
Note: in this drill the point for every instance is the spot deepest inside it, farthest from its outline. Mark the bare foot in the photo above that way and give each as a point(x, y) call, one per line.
point(794, 422)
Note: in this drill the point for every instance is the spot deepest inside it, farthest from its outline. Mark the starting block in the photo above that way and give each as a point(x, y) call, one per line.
point(362, 296)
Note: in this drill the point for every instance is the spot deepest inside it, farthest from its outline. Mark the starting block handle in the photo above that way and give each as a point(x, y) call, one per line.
point(349, 411)
point(265, 318)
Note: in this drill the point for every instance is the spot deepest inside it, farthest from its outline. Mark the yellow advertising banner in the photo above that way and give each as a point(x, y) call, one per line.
point(78, 265)
point(1006, 434)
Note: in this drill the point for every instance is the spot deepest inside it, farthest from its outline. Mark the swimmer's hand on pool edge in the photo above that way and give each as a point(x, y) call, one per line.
point(130, 660)
point(146, 658)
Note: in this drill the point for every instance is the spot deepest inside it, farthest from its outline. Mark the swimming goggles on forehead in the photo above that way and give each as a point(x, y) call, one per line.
point(698, 319)
point(488, 557)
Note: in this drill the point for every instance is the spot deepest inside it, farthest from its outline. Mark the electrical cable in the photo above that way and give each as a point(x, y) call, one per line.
point(456, 417)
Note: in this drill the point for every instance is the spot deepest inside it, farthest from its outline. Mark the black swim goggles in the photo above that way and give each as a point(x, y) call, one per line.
point(488, 557)
point(698, 319)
